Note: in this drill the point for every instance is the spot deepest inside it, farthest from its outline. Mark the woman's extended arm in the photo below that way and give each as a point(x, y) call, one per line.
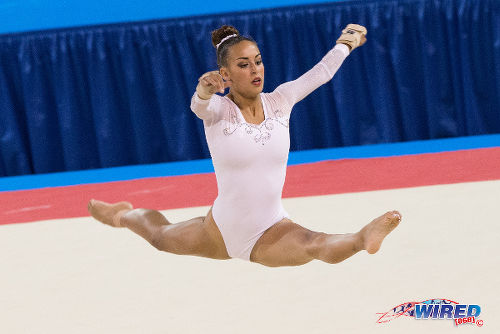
point(321, 73)
point(293, 91)
point(200, 107)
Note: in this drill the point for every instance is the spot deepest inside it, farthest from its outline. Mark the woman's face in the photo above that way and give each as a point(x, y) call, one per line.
point(244, 69)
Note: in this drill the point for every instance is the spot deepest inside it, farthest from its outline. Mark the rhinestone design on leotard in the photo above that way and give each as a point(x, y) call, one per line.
point(261, 132)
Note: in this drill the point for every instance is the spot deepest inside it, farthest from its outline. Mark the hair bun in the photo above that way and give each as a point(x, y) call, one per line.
point(224, 31)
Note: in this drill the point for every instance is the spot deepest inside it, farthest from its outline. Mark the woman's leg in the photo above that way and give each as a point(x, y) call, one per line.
point(289, 244)
point(198, 236)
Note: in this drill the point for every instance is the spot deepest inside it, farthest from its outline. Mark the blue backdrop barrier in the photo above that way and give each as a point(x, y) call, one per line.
point(31, 15)
point(115, 95)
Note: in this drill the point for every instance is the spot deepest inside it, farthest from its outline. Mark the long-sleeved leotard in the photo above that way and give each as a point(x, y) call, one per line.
point(250, 160)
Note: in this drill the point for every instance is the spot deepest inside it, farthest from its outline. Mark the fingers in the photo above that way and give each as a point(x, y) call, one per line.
point(363, 40)
point(213, 80)
point(214, 84)
point(208, 74)
point(355, 27)
point(354, 35)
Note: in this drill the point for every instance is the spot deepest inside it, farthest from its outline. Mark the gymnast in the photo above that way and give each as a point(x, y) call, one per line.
point(248, 137)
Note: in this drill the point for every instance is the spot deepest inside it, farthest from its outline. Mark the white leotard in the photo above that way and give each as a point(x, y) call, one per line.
point(250, 160)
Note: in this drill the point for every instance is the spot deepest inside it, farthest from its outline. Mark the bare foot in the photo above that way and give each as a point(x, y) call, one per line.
point(107, 213)
point(374, 233)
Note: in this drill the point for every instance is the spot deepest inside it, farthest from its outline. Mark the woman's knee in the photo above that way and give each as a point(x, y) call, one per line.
point(169, 241)
point(314, 242)
point(158, 241)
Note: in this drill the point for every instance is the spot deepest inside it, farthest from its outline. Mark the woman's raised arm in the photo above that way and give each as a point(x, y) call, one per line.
point(352, 37)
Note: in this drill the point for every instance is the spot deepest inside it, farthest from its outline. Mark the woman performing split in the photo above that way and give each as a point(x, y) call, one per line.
point(248, 137)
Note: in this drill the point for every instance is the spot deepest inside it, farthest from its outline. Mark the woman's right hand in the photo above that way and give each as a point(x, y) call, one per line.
point(210, 83)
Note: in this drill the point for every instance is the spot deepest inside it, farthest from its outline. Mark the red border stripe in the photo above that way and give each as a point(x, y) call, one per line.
point(321, 178)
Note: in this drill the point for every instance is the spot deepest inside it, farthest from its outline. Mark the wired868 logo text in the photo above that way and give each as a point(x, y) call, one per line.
point(435, 309)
